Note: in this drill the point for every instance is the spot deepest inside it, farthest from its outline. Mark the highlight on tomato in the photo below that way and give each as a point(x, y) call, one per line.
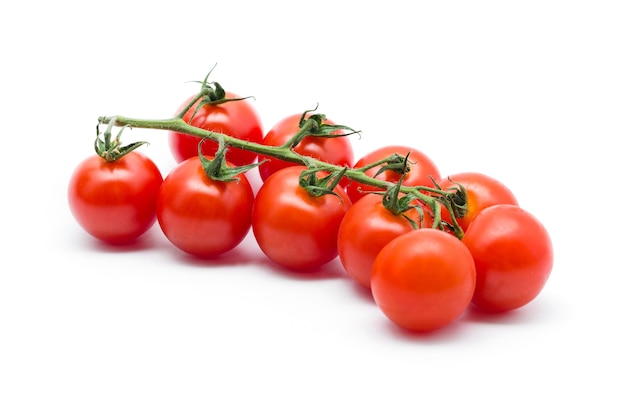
point(481, 191)
point(423, 280)
point(369, 225)
point(421, 169)
point(326, 142)
point(513, 254)
point(295, 222)
point(219, 111)
point(201, 215)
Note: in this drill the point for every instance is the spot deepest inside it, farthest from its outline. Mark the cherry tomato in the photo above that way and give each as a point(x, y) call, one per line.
point(513, 255)
point(238, 119)
point(294, 228)
point(366, 228)
point(115, 201)
point(423, 280)
point(202, 216)
point(482, 191)
point(336, 150)
point(422, 168)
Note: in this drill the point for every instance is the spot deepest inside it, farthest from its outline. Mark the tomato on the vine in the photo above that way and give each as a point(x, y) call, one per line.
point(335, 150)
point(482, 191)
point(115, 201)
point(367, 227)
point(513, 254)
point(422, 170)
point(423, 280)
point(202, 216)
point(294, 228)
point(236, 118)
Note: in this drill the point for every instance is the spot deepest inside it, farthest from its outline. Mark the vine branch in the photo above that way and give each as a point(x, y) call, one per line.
point(433, 197)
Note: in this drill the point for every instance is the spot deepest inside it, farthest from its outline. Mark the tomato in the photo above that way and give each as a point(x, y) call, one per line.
point(366, 228)
point(202, 216)
point(336, 150)
point(115, 201)
point(294, 228)
point(422, 168)
point(423, 280)
point(482, 191)
point(238, 119)
point(513, 255)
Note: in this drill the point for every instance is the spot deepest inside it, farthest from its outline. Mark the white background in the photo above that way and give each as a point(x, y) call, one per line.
point(532, 93)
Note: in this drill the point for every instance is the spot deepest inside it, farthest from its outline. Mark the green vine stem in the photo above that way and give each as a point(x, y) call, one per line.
point(433, 197)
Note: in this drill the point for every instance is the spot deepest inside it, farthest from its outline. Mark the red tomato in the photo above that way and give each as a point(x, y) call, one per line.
point(482, 191)
point(294, 228)
point(422, 168)
point(115, 201)
point(423, 280)
point(513, 255)
point(366, 228)
point(201, 216)
point(337, 151)
point(238, 119)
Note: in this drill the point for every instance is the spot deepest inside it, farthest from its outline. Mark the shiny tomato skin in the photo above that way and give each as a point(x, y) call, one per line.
point(115, 202)
point(482, 191)
point(201, 216)
point(423, 280)
point(337, 151)
point(238, 119)
point(513, 254)
point(366, 228)
point(421, 170)
point(293, 228)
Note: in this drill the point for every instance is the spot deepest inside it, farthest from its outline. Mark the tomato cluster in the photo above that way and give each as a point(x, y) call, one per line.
point(459, 240)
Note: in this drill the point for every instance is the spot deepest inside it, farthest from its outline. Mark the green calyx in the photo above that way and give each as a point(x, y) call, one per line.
point(453, 199)
point(401, 204)
point(395, 203)
point(396, 163)
point(112, 150)
point(217, 168)
point(314, 125)
point(319, 186)
point(211, 93)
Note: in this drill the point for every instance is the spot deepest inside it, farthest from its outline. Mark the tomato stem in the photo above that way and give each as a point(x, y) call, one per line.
point(325, 185)
point(178, 125)
point(217, 168)
point(433, 197)
point(377, 163)
point(315, 125)
point(113, 150)
point(305, 130)
point(211, 93)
